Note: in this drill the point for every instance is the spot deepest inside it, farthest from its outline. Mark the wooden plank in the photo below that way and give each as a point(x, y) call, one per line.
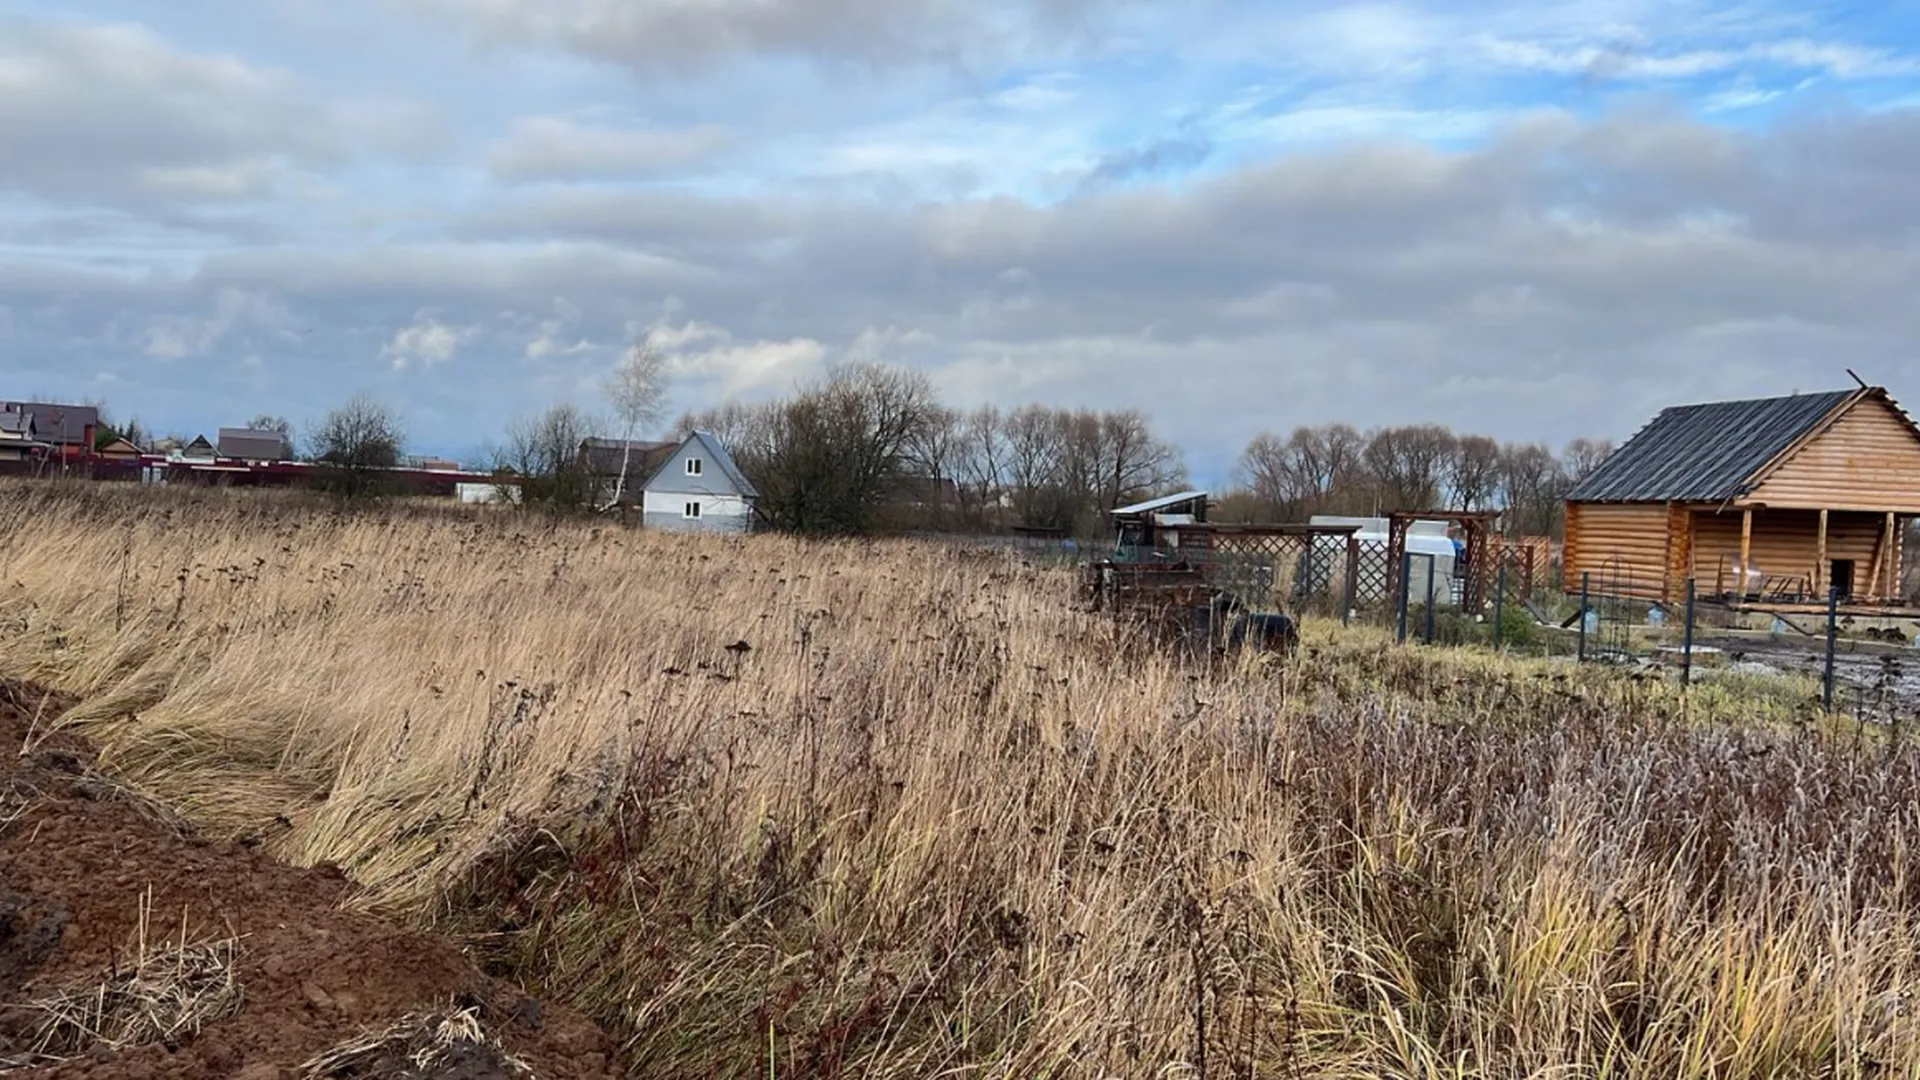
point(1893, 561)
point(1744, 571)
point(1821, 570)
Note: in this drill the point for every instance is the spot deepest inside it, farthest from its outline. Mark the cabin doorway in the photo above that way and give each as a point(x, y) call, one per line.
point(1840, 579)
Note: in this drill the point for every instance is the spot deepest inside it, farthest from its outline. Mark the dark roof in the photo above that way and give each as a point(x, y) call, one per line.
point(250, 443)
point(602, 456)
point(62, 425)
point(1705, 453)
point(920, 490)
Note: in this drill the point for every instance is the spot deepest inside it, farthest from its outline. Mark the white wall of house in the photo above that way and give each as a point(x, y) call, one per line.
point(717, 513)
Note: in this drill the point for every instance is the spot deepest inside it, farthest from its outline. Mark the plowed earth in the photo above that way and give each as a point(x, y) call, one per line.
point(78, 853)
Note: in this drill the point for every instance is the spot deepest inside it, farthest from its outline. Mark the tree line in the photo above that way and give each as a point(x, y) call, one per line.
point(869, 447)
point(1338, 469)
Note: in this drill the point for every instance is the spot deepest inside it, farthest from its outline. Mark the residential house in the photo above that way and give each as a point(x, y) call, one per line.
point(19, 439)
point(69, 429)
point(603, 460)
point(118, 449)
point(251, 444)
point(699, 488)
point(1774, 500)
point(199, 449)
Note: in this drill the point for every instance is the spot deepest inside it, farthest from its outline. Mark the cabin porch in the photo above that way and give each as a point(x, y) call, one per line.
point(1789, 558)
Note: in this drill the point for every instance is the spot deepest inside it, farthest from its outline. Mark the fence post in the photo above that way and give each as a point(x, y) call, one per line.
point(1686, 646)
point(1499, 602)
point(1433, 565)
point(1833, 627)
point(1585, 586)
point(1352, 582)
point(1406, 586)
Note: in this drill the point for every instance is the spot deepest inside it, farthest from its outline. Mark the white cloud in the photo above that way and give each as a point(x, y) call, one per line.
point(734, 368)
point(177, 337)
point(426, 342)
point(556, 148)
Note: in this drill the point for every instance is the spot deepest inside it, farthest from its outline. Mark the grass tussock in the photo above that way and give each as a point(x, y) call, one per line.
point(446, 1043)
point(165, 994)
point(770, 808)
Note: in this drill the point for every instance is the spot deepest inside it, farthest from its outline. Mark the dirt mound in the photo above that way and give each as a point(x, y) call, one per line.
point(131, 948)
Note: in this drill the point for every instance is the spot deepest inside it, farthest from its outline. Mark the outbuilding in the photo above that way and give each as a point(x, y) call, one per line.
point(1768, 501)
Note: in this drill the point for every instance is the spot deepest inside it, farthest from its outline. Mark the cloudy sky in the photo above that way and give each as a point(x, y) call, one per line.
point(1534, 218)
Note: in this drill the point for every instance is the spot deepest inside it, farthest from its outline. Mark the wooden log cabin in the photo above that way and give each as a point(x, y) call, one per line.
point(1762, 502)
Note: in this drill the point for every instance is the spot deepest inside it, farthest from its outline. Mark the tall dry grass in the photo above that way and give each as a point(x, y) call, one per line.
point(934, 821)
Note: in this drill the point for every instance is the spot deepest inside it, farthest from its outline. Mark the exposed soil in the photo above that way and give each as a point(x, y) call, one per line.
point(77, 854)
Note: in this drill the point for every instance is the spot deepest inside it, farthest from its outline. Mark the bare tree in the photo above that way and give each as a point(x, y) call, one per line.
point(1134, 462)
point(359, 440)
point(1532, 483)
point(544, 452)
point(981, 457)
point(1583, 456)
point(1408, 464)
point(637, 390)
point(822, 458)
point(270, 422)
point(1034, 445)
point(1473, 473)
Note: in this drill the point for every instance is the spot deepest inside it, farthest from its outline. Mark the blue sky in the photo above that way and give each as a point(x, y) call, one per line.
point(1534, 220)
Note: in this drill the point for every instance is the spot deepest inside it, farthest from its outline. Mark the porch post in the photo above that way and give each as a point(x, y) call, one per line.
point(1820, 571)
point(1746, 552)
point(1893, 561)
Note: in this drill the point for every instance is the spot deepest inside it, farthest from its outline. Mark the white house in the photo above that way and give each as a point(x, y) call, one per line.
point(699, 488)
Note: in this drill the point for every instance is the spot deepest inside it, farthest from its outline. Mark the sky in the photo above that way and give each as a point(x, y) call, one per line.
point(1531, 219)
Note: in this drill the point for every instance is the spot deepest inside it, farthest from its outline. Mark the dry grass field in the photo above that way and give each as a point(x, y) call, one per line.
point(767, 808)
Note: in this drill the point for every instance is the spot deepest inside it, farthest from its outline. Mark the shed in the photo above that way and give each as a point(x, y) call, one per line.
point(1154, 525)
point(699, 488)
point(1773, 500)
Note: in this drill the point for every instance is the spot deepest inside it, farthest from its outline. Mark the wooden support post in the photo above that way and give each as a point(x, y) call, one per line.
point(1822, 572)
point(1875, 577)
point(1746, 553)
point(1893, 561)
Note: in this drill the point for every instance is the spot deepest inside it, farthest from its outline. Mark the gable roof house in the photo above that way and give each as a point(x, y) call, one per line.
point(602, 459)
point(19, 439)
point(698, 487)
point(250, 444)
point(70, 429)
point(1770, 500)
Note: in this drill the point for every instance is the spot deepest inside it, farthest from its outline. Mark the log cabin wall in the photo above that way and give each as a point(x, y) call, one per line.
point(1623, 546)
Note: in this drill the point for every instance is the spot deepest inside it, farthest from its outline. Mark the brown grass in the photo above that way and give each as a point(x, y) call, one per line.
point(937, 822)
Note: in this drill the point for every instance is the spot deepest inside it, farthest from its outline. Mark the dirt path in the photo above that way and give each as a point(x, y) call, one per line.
point(274, 975)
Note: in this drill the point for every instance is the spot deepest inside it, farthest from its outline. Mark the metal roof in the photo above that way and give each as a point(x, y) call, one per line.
point(1163, 503)
point(63, 425)
point(717, 452)
point(1705, 453)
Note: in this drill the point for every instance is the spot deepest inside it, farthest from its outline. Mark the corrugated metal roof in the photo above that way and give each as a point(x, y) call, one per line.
point(1705, 453)
point(1151, 505)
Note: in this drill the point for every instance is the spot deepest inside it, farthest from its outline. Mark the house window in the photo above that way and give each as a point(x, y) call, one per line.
point(693, 466)
point(692, 511)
